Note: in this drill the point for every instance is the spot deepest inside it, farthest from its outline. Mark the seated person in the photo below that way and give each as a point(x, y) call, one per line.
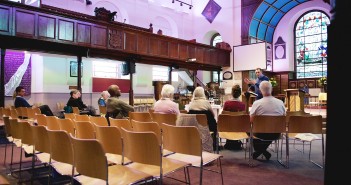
point(21, 102)
point(234, 105)
point(76, 101)
point(115, 107)
point(268, 105)
point(165, 104)
point(18, 97)
point(200, 105)
point(102, 100)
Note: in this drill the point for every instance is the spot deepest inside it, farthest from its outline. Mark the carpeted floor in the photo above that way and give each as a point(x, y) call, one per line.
point(236, 170)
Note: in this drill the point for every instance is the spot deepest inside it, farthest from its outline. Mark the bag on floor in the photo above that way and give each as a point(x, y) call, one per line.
point(233, 145)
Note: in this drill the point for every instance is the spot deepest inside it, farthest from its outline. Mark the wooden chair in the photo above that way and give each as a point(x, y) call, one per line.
point(67, 125)
point(41, 119)
point(76, 110)
point(183, 111)
point(61, 152)
point(234, 127)
point(170, 119)
point(140, 116)
point(102, 110)
point(233, 113)
point(111, 140)
point(91, 163)
point(41, 143)
point(144, 149)
point(84, 130)
point(141, 126)
point(82, 117)
point(307, 127)
point(71, 116)
point(98, 120)
point(14, 113)
point(186, 142)
point(52, 123)
point(121, 123)
point(269, 124)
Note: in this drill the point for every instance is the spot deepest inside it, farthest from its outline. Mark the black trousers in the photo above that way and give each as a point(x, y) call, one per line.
point(45, 109)
point(267, 138)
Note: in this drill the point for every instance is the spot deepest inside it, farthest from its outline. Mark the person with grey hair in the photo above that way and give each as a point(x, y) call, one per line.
point(166, 104)
point(104, 96)
point(200, 105)
point(268, 105)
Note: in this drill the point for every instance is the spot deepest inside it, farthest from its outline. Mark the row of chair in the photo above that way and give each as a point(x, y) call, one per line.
point(126, 126)
point(293, 126)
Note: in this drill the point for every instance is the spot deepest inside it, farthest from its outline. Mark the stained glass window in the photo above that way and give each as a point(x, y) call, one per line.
point(311, 45)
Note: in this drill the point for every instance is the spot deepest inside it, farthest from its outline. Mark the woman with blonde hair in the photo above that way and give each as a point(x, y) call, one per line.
point(200, 105)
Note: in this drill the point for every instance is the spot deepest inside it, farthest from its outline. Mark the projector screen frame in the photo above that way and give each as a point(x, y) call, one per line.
point(261, 62)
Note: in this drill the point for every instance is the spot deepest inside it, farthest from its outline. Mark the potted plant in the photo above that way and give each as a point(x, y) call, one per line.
point(323, 83)
point(273, 82)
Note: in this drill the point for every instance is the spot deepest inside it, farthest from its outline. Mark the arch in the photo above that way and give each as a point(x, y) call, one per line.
point(267, 16)
point(166, 24)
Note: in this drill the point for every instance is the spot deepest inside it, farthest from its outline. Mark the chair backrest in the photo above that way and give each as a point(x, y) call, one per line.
point(26, 132)
point(52, 122)
point(75, 110)
point(41, 138)
point(182, 139)
point(16, 132)
point(37, 110)
point(84, 130)
point(60, 146)
point(139, 116)
point(41, 119)
point(102, 110)
point(296, 113)
point(98, 120)
point(67, 125)
point(142, 147)
point(202, 119)
point(183, 111)
point(90, 159)
point(168, 118)
point(233, 113)
point(83, 117)
point(306, 124)
point(150, 126)
point(71, 116)
point(110, 138)
point(7, 125)
point(269, 124)
point(121, 123)
point(31, 113)
point(14, 113)
point(7, 111)
point(233, 123)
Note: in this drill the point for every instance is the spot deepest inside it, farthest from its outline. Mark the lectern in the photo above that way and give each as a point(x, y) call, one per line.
point(294, 99)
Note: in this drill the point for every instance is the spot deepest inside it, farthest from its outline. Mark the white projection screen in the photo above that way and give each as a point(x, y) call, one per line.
point(249, 57)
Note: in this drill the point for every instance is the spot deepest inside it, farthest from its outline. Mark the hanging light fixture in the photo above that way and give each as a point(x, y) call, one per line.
point(182, 2)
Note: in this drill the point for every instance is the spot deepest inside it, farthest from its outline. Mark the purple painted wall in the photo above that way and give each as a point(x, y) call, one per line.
point(13, 60)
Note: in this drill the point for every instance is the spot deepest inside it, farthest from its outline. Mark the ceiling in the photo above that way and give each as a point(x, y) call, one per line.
point(267, 16)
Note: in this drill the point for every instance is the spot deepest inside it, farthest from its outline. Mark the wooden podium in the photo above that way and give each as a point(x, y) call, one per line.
point(294, 99)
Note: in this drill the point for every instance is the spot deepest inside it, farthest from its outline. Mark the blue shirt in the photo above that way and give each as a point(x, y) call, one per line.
point(259, 79)
point(21, 102)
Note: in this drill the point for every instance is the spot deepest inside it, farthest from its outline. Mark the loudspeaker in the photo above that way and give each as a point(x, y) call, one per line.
point(291, 75)
point(125, 68)
point(128, 67)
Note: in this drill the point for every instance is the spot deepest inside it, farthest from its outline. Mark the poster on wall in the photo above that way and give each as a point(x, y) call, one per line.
point(73, 69)
point(279, 48)
point(211, 10)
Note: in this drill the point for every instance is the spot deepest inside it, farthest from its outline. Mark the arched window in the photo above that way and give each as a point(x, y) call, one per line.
point(311, 45)
point(215, 39)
